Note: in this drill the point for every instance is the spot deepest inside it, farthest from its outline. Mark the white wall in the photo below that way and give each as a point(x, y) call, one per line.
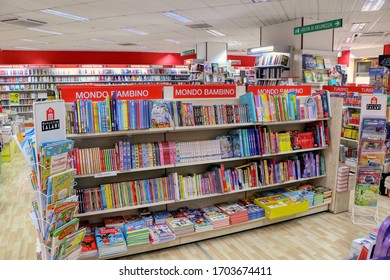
point(366, 53)
point(320, 40)
point(212, 51)
point(281, 34)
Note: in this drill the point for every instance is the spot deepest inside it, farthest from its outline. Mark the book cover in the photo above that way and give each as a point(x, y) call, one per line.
point(61, 185)
point(308, 61)
point(366, 195)
point(319, 62)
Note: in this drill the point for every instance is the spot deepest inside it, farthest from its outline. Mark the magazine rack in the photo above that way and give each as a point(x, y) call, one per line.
point(371, 154)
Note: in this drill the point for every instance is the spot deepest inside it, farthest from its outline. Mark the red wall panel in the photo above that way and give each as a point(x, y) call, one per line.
point(344, 59)
point(386, 49)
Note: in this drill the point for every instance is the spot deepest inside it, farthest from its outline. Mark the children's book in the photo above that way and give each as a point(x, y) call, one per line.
point(71, 246)
point(319, 62)
point(61, 185)
point(308, 76)
point(308, 61)
point(161, 114)
point(60, 233)
point(226, 146)
point(366, 194)
point(370, 176)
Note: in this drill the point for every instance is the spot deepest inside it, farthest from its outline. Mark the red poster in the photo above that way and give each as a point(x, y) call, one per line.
point(361, 89)
point(99, 93)
point(204, 91)
point(301, 90)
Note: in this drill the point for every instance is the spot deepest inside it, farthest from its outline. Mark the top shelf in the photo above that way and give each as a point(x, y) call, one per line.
point(352, 107)
point(184, 128)
point(272, 66)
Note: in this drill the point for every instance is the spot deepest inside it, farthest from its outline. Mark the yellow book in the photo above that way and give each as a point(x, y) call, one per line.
point(108, 196)
point(266, 111)
point(79, 115)
point(95, 116)
point(125, 110)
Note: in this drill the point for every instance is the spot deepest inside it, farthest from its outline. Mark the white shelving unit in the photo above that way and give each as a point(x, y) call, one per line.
point(197, 133)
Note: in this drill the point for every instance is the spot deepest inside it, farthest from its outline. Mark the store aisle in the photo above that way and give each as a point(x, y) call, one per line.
point(319, 236)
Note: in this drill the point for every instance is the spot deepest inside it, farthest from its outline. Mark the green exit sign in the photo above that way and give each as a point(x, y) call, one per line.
point(337, 23)
point(187, 52)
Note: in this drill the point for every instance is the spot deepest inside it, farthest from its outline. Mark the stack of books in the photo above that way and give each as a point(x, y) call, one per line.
point(180, 226)
point(136, 232)
point(254, 211)
point(216, 216)
point(161, 233)
point(374, 234)
point(237, 213)
point(309, 196)
point(110, 241)
point(161, 216)
point(116, 221)
point(201, 224)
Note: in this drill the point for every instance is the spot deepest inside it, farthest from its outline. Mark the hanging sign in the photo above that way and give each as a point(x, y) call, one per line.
point(300, 90)
point(331, 24)
point(342, 89)
point(99, 93)
point(204, 91)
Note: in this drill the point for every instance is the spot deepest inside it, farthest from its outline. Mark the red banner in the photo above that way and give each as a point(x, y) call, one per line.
point(40, 66)
point(361, 89)
point(117, 66)
point(99, 93)
point(204, 91)
point(301, 90)
point(91, 66)
point(66, 66)
point(13, 66)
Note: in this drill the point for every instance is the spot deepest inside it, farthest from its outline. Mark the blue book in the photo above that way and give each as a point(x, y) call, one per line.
point(292, 96)
point(249, 100)
point(91, 118)
point(104, 201)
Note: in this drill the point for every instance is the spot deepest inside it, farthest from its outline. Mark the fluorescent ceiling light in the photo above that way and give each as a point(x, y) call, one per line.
point(131, 30)
point(65, 15)
point(215, 32)
point(234, 43)
point(172, 41)
point(25, 48)
point(33, 41)
point(259, 1)
point(348, 40)
point(268, 49)
point(105, 41)
point(372, 5)
point(177, 17)
point(358, 26)
point(45, 31)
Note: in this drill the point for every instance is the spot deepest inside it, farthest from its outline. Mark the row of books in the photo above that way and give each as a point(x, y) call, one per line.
point(270, 82)
point(310, 76)
point(269, 73)
point(163, 226)
point(26, 87)
point(217, 180)
point(271, 60)
point(315, 62)
point(187, 114)
point(286, 106)
point(124, 194)
point(109, 78)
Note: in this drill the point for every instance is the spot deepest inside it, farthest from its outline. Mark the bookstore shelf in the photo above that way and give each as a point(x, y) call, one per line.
point(114, 173)
point(293, 152)
point(19, 105)
point(271, 79)
point(352, 107)
point(120, 133)
point(196, 236)
point(111, 75)
point(272, 66)
point(291, 122)
point(350, 140)
point(183, 164)
point(217, 126)
point(266, 187)
point(115, 210)
point(24, 90)
point(351, 124)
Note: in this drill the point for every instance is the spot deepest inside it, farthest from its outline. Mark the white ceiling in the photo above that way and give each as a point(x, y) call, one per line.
point(240, 20)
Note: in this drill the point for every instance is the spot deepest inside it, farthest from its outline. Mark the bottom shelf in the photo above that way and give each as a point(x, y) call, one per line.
point(197, 236)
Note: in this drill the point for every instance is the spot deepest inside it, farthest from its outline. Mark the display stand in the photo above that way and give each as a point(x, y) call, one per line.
point(371, 154)
point(48, 153)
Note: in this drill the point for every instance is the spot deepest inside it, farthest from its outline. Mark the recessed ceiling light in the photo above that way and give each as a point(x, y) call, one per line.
point(25, 48)
point(131, 30)
point(65, 15)
point(33, 41)
point(45, 31)
point(215, 32)
point(358, 26)
point(172, 41)
point(348, 40)
point(105, 41)
point(177, 17)
point(372, 5)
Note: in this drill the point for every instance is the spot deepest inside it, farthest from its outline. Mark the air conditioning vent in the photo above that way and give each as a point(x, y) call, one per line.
point(199, 26)
point(23, 22)
point(373, 34)
point(127, 44)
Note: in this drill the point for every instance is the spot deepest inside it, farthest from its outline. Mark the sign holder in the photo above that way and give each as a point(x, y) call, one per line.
point(371, 154)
